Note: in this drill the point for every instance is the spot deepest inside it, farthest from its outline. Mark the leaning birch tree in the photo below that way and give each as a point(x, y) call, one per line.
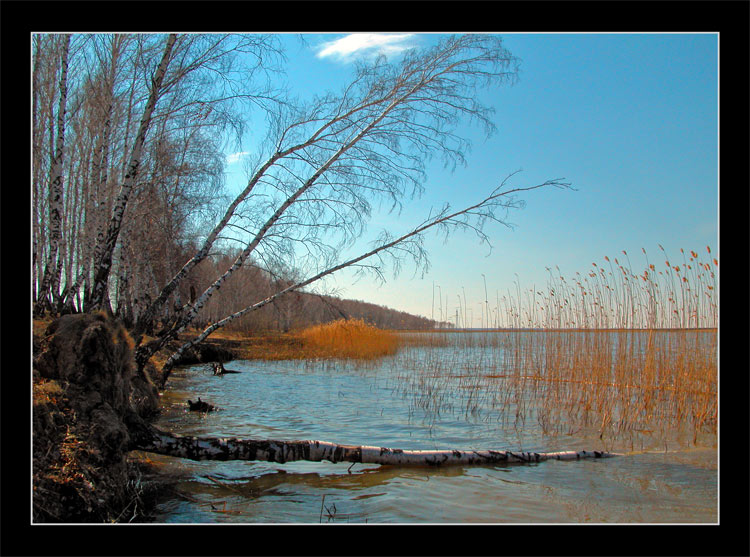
point(105, 250)
point(153, 101)
point(473, 218)
point(324, 164)
point(309, 195)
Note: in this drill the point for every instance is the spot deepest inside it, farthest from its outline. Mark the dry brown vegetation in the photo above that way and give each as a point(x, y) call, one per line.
point(353, 339)
point(344, 338)
point(611, 295)
point(624, 384)
point(624, 356)
point(641, 387)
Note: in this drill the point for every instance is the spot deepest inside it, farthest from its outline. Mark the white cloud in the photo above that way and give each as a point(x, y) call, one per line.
point(235, 157)
point(346, 48)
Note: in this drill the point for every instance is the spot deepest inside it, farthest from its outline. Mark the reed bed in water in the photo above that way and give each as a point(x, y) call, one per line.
point(647, 387)
point(347, 338)
point(599, 356)
point(625, 384)
point(678, 293)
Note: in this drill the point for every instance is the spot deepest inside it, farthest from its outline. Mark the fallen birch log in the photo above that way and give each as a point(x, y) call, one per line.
point(214, 448)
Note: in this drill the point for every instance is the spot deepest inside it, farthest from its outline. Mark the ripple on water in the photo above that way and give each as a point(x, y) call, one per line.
point(366, 404)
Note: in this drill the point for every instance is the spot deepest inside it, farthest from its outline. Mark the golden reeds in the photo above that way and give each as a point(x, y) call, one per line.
point(613, 296)
point(622, 355)
point(347, 338)
point(643, 388)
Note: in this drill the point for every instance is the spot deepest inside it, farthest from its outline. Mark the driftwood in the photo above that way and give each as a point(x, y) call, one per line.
point(213, 448)
point(200, 406)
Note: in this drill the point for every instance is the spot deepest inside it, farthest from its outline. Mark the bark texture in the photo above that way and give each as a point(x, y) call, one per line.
point(105, 251)
point(56, 192)
point(214, 448)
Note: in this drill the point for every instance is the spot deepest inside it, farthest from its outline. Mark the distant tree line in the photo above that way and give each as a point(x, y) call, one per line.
point(296, 310)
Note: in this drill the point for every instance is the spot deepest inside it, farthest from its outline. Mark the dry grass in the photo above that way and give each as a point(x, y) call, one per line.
point(624, 384)
point(638, 387)
point(616, 382)
point(351, 339)
point(39, 325)
point(666, 294)
point(620, 354)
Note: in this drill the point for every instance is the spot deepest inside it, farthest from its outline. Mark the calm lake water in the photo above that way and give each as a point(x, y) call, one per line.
point(421, 398)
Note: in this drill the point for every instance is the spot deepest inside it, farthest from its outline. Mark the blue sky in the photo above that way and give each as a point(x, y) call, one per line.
point(630, 120)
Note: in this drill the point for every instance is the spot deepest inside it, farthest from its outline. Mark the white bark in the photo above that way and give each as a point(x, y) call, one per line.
point(52, 266)
point(214, 448)
point(104, 262)
point(410, 106)
point(201, 301)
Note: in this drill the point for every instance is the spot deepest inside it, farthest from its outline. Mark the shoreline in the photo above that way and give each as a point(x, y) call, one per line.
point(76, 450)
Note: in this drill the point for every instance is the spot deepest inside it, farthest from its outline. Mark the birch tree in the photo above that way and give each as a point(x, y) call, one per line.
point(43, 88)
point(151, 106)
point(325, 163)
point(473, 218)
point(53, 263)
point(216, 448)
point(103, 260)
point(203, 94)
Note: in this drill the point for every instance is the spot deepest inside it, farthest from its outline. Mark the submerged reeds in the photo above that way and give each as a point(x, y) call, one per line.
point(624, 384)
point(620, 355)
point(624, 357)
point(641, 387)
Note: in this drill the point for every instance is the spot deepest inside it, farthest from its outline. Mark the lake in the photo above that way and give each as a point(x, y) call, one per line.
point(458, 391)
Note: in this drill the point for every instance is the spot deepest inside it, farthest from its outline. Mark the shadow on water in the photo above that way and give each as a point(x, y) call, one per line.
point(287, 493)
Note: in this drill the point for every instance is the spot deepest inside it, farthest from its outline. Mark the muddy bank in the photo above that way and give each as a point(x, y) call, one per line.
point(88, 405)
point(91, 408)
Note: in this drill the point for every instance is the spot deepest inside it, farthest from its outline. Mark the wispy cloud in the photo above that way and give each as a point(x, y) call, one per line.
point(368, 44)
point(235, 157)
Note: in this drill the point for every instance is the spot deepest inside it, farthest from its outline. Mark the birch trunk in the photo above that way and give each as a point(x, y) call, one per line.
point(216, 448)
point(272, 160)
point(148, 315)
point(193, 311)
point(56, 192)
point(101, 160)
point(37, 135)
point(104, 262)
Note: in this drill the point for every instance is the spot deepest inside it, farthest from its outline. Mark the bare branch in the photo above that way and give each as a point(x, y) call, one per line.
point(482, 211)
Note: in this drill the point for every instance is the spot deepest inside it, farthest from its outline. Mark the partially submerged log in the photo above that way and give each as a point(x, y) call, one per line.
point(213, 448)
point(200, 406)
point(219, 369)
